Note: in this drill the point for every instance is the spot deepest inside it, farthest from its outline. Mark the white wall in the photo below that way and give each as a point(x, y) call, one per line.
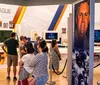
point(7, 13)
point(38, 18)
point(97, 16)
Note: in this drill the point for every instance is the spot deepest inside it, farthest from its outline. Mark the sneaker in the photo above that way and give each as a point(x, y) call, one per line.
point(8, 78)
point(14, 78)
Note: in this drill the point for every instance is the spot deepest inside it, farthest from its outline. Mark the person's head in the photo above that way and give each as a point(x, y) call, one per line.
point(29, 47)
point(13, 35)
point(83, 18)
point(21, 38)
point(38, 38)
point(43, 45)
point(53, 43)
point(25, 39)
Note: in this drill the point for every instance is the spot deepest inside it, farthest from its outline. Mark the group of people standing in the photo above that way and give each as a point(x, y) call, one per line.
point(33, 59)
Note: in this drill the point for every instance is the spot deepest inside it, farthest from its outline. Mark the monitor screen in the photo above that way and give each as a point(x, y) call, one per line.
point(97, 36)
point(51, 35)
point(4, 34)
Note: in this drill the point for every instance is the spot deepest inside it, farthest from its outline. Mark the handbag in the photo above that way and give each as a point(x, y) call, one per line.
point(23, 82)
point(23, 75)
point(31, 80)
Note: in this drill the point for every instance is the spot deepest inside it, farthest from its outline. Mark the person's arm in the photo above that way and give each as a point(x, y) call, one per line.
point(17, 44)
point(23, 51)
point(56, 47)
point(3, 47)
point(57, 50)
point(20, 65)
point(21, 62)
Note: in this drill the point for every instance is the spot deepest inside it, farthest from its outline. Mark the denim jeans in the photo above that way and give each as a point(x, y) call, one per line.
point(41, 80)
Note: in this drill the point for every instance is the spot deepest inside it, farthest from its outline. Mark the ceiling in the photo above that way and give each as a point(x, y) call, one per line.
point(38, 2)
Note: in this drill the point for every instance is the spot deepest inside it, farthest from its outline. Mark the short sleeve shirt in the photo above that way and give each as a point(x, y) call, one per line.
point(26, 59)
point(11, 45)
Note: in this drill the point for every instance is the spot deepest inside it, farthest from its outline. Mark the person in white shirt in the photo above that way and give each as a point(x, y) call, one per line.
point(24, 69)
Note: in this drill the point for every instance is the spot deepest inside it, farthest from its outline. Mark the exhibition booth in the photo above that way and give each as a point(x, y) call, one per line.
point(54, 22)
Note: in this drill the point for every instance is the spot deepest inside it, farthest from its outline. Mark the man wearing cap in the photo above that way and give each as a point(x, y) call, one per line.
point(36, 45)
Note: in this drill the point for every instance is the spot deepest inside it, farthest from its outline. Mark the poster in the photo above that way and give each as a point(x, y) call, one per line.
point(80, 51)
point(64, 37)
point(35, 34)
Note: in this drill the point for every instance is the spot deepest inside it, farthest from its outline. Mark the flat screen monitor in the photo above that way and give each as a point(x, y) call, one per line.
point(49, 35)
point(4, 34)
point(97, 36)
